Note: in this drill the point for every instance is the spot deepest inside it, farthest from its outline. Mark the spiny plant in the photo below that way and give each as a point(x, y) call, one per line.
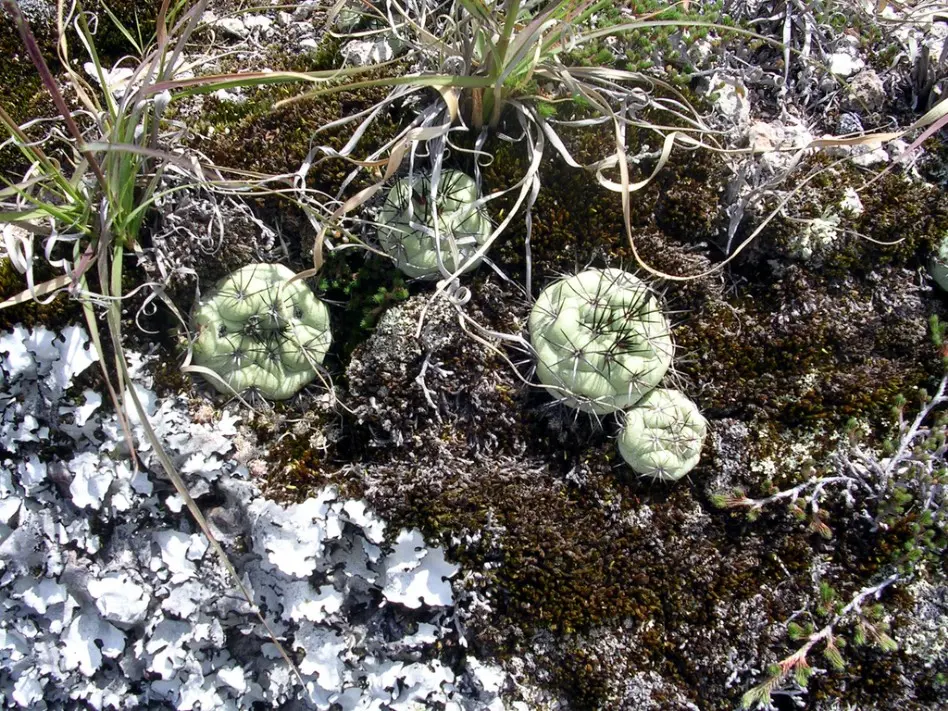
point(663, 435)
point(938, 266)
point(430, 228)
point(259, 330)
point(601, 340)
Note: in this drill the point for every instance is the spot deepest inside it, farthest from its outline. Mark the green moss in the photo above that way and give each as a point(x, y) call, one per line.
point(258, 136)
point(60, 312)
point(22, 93)
point(901, 222)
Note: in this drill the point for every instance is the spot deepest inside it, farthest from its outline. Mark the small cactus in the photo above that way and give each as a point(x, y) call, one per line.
point(663, 435)
point(407, 224)
point(938, 266)
point(601, 340)
point(255, 330)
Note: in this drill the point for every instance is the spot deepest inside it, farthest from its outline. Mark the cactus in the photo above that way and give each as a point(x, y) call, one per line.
point(938, 266)
point(663, 435)
point(601, 340)
point(257, 331)
point(407, 229)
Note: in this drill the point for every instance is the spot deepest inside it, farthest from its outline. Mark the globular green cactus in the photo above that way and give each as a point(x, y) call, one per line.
point(663, 435)
point(601, 340)
point(407, 224)
point(938, 266)
point(255, 330)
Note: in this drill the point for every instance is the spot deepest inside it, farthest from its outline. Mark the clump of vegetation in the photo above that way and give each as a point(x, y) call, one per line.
point(364, 288)
point(904, 492)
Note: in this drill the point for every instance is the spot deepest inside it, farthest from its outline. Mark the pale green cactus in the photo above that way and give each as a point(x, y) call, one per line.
point(601, 340)
point(407, 224)
point(663, 435)
point(938, 266)
point(257, 331)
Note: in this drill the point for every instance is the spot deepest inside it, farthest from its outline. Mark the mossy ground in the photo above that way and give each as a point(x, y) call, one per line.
point(22, 93)
point(560, 539)
point(58, 313)
point(550, 528)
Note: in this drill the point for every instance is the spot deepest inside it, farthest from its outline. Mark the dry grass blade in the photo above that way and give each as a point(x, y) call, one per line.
point(37, 292)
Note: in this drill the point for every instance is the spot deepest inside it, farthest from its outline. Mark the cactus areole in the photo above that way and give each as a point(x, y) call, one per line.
point(601, 340)
point(256, 330)
point(409, 223)
point(663, 435)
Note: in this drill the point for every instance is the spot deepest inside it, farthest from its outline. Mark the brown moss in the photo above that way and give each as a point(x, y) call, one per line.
point(576, 221)
point(804, 349)
point(258, 136)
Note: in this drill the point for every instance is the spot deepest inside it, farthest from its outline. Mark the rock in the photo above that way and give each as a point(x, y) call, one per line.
point(865, 156)
point(865, 93)
point(844, 64)
point(364, 52)
point(777, 142)
point(732, 100)
point(849, 124)
point(764, 137)
point(261, 22)
point(233, 26)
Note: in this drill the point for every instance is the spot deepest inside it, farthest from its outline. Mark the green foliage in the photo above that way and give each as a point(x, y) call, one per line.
point(833, 656)
point(365, 288)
